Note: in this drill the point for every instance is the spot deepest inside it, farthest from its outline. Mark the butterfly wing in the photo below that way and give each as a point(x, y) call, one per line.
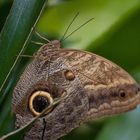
point(95, 87)
point(109, 89)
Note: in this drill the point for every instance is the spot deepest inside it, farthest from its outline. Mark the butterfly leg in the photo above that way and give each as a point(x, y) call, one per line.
point(43, 129)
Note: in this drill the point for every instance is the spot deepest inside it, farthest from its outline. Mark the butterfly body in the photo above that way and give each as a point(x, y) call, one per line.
point(95, 88)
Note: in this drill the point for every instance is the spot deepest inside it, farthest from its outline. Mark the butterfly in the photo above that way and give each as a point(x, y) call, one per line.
point(95, 88)
point(92, 86)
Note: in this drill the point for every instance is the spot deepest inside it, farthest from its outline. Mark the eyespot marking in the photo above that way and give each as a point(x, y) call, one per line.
point(39, 101)
point(69, 75)
point(122, 94)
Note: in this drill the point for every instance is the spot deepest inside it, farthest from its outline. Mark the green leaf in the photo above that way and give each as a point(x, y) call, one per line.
point(124, 127)
point(16, 32)
point(109, 16)
point(123, 45)
point(14, 37)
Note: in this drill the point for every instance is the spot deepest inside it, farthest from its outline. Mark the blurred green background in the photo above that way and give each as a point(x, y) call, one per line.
point(114, 34)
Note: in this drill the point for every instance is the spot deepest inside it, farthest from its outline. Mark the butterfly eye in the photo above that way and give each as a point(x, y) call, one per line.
point(122, 94)
point(38, 101)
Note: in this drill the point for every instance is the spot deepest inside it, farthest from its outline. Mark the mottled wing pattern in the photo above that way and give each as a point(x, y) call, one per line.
point(102, 81)
point(95, 88)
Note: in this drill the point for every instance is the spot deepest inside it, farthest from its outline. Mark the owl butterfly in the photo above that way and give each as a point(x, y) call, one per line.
point(95, 88)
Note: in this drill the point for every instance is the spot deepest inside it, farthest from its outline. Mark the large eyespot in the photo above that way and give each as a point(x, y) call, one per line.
point(122, 94)
point(38, 101)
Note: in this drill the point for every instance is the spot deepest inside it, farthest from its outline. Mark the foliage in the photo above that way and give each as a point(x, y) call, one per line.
point(113, 34)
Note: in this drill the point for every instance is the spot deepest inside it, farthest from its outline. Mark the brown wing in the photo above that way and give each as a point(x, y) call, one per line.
point(104, 82)
point(95, 87)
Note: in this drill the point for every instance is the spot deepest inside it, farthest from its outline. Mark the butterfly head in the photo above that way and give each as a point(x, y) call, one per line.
point(48, 48)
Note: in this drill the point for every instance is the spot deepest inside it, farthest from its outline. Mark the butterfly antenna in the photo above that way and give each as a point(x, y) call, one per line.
point(39, 35)
point(77, 29)
point(69, 26)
